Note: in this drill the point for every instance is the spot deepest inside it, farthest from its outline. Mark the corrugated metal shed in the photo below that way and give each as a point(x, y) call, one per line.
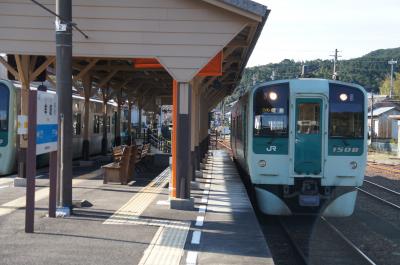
point(380, 111)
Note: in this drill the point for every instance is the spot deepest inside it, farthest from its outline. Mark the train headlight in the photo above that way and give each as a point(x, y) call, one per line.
point(343, 97)
point(353, 164)
point(273, 96)
point(262, 163)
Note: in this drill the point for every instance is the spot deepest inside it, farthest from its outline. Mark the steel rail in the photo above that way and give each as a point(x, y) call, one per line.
point(303, 257)
point(382, 187)
point(222, 143)
point(379, 198)
point(351, 244)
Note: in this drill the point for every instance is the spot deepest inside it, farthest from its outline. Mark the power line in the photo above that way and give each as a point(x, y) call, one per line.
point(62, 20)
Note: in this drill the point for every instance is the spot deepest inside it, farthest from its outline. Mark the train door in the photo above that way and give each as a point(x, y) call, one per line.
point(245, 132)
point(4, 114)
point(308, 136)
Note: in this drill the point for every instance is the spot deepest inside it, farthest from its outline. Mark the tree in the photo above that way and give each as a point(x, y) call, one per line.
point(385, 86)
point(369, 71)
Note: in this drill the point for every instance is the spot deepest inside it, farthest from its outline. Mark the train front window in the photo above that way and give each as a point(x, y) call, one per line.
point(4, 105)
point(308, 121)
point(271, 105)
point(346, 107)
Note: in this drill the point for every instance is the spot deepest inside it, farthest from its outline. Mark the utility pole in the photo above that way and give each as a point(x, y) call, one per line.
point(335, 75)
point(273, 75)
point(391, 63)
point(64, 91)
point(372, 115)
point(254, 78)
point(303, 70)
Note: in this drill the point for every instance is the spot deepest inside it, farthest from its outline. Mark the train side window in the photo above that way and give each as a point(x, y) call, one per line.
point(108, 124)
point(4, 107)
point(96, 124)
point(271, 108)
point(77, 124)
point(101, 123)
point(346, 112)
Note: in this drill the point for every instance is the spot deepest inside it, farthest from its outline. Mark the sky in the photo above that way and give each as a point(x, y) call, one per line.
point(313, 29)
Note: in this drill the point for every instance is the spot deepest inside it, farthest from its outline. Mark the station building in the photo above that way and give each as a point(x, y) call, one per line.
point(189, 53)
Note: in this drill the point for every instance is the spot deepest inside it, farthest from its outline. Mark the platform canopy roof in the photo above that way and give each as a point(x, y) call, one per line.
point(182, 35)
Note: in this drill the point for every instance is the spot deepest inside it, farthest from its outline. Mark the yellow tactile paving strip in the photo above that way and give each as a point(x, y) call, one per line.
point(129, 212)
point(167, 244)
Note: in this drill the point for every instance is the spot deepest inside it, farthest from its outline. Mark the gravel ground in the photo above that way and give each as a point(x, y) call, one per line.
point(373, 232)
point(388, 178)
point(375, 227)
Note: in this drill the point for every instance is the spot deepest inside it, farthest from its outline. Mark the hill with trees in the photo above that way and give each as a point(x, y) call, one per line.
point(371, 71)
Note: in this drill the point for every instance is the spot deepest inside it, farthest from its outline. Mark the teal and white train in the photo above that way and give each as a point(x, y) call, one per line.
point(303, 143)
point(9, 107)
point(8, 125)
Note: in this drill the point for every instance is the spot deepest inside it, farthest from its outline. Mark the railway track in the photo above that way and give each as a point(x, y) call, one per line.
point(326, 247)
point(295, 246)
point(385, 195)
point(224, 144)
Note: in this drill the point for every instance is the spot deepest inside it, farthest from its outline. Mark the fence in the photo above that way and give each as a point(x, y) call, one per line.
point(384, 147)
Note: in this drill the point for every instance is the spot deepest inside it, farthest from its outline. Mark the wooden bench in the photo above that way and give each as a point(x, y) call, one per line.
point(144, 151)
point(117, 152)
point(132, 162)
point(119, 171)
point(141, 153)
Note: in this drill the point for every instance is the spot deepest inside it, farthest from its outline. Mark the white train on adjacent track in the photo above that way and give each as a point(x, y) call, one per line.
point(9, 106)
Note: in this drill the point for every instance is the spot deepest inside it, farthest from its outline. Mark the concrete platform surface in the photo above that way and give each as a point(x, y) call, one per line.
point(133, 224)
point(226, 226)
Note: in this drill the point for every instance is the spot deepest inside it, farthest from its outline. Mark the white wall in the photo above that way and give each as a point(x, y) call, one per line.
point(184, 35)
point(3, 72)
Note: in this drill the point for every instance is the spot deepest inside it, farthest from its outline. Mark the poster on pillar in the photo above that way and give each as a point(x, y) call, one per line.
point(47, 127)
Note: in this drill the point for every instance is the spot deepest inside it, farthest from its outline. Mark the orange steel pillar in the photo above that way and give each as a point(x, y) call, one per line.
point(181, 137)
point(174, 126)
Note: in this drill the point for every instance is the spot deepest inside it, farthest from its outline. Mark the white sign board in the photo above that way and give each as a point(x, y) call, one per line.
point(47, 118)
point(22, 125)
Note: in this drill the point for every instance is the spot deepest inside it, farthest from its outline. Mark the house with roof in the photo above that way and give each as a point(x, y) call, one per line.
point(384, 127)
